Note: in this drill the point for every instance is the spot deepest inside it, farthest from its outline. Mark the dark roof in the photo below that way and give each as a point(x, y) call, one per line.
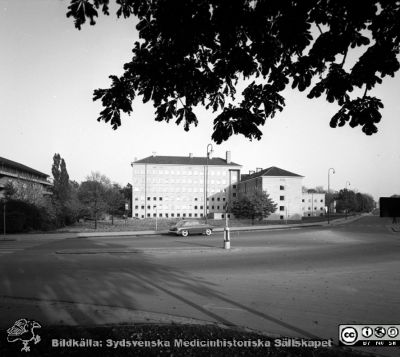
point(184, 160)
point(271, 171)
point(16, 165)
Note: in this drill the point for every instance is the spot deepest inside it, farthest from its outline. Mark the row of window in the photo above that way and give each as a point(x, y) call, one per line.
point(181, 172)
point(257, 183)
point(309, 200)
point(180, 180)
point(21, 174)
point(155, 198)
point(166, 198)
point(282, 208)
point(177, 207)
point(178, 189)
point(216, 198)
point(170, 215)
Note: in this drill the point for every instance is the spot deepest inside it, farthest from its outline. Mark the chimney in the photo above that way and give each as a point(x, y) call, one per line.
point(228, 157)
point(190, 155)
point(258, 169)
point(251, 172)
point(134, 160)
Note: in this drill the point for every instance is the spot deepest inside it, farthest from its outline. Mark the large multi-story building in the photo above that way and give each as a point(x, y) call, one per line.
point(283, 187)
point(25, 180)
point(313, 204)
point(183, 187)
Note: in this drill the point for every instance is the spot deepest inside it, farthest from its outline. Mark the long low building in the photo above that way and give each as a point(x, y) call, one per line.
point(32, 181)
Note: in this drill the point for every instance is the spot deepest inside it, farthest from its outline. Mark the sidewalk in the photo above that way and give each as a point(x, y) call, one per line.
point(221, 229)
point(37, 236)
point(54, 236)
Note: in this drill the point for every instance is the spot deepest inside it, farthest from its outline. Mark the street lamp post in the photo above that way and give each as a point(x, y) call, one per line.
point(329, 204)
point(157, 207)
point(347, 182)
point(312, 204)
point(227, 234)
point(209, 151)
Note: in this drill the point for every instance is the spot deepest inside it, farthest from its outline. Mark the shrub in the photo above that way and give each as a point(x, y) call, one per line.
point(23, 216)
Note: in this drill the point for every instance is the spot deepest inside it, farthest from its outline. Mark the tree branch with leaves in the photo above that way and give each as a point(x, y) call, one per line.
point(193, 53)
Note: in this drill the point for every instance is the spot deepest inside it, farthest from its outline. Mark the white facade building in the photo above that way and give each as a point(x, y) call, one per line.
point(178, 186)
point(283, 187)
point(313, 204)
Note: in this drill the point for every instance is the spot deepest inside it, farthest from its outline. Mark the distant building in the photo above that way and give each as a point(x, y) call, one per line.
point(20, 176)
point(175, 186)
point(283, 187)
point(313, 204)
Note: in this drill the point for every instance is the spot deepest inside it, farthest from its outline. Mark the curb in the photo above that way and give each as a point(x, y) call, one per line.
point(119, 234)
point(220, 229)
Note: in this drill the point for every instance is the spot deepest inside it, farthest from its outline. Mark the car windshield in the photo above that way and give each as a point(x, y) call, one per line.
point(180, 224)
point(187, 223)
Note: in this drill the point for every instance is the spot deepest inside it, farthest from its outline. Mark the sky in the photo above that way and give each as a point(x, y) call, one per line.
point(48, 72)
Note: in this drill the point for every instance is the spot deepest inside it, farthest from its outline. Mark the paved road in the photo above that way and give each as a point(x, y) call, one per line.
point(298, 282)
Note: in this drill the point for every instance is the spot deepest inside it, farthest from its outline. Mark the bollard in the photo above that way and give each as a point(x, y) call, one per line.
point(227, 238)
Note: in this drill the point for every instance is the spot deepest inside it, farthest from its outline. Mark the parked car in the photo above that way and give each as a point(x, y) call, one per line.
point(184, 228)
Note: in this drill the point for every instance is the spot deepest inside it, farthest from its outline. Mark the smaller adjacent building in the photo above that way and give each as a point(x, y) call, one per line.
point(313, 204)
point(25, 180)
point(283, 187)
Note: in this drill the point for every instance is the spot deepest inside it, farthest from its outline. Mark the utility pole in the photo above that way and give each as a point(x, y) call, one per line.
point(209, 151)
point(329, 204)
point(347, 197)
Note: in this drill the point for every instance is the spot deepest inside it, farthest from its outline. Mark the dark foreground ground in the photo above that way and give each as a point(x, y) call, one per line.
point(168, 339)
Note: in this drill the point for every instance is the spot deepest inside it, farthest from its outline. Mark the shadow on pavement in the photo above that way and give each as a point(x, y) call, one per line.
point(81, 289)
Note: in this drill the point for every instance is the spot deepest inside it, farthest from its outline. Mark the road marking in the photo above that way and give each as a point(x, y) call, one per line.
point(214, 307)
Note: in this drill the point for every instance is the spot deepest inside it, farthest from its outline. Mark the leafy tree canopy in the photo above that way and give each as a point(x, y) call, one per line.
point(256, 205)
point(93, 194)
point(115, 200)
point(194, 53)
point(61, 185)
point(348, 200)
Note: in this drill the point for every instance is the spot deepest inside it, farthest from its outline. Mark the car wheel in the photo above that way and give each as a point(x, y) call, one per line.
point(185, 233)
point(208, 232)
